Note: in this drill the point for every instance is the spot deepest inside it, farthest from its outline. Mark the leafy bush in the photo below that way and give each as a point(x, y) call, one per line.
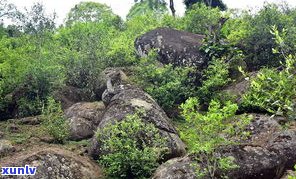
point(28, 75)
point(167, 84)
point(85, 53)
point(142, 7)
point(29, 71)
point(205, 133)
point(133, 148)
point(294, 174)
point(215, 77)
point(212, 3)
point(238, 27)
point(92, 12)
point(200, 18)
point(224, 62)
point(274, 90)
point(54, 122)
point(250, 32)
point(29, 107)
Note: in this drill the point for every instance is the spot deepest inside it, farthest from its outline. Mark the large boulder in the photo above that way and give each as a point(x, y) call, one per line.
point(239, 87)
point(70, 95)
point(53, 163)
point(84, 118)
point(175, 47)
point(177, 168)
point(268, 153)
point(122, 99)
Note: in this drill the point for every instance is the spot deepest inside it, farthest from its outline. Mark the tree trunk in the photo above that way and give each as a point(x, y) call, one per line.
point(172, 7)
point(209, 2)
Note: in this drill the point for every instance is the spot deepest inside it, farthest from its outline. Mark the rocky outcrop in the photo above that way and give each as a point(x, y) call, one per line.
point(266, 154)
point(239, 87)
point(175, 47)
point(122, 99)
point(5, 147)
point(70, 95)
point(177, 168)
point(1, 134)
point(104, 79)
point(54, 163)
point(84, 118)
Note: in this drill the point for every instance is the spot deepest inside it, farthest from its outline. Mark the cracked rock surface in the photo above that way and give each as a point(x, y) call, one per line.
point(175, 47)
point(53, 163)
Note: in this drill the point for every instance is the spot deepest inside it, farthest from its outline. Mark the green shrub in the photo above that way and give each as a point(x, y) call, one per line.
point(272, 91)
point(275, 90)
point(29, 107)
point(238, 27)
point(214, 78)
point(85, 48)
point(28, 74)
point(205, 133)
point(134, 148)
point(172, 22)
point(93, 12)
point(54, 122)
point(251, 32)
point(200, 18)
point(143, 7)
point(168, 85)
point(224, 62)
point(293, 176)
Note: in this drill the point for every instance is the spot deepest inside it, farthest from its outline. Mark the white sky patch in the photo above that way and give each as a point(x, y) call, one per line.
point(121, 7)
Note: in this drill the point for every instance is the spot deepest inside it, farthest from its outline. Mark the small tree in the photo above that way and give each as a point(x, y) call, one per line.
point(147, 6)
point(201, 19)
point(92, 12)
point(206, 133)
point(35, 20)
point(272, 90)
point(54, 122)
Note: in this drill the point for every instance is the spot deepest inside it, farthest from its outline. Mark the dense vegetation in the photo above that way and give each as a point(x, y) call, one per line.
point(202, 133)
point(38, 59)
point(132, 148)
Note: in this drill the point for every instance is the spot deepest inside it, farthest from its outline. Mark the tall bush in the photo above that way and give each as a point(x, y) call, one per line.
point(206, 133)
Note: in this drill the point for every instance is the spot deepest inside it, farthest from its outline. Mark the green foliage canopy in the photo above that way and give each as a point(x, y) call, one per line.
point(251, 33)
point(92, 12)
point(200, 18)
point(273, 90)
point(211, 3)
point(147, 6)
